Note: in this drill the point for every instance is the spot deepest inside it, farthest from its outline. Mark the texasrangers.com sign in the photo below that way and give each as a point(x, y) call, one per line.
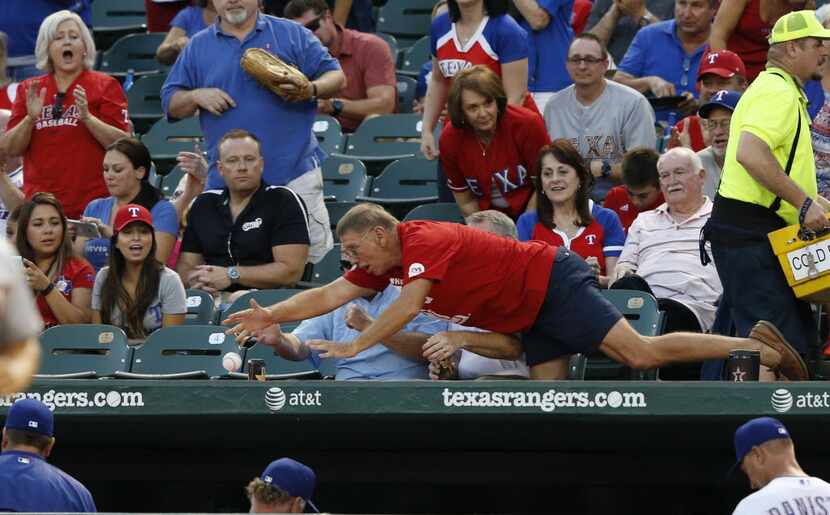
point(79, 399)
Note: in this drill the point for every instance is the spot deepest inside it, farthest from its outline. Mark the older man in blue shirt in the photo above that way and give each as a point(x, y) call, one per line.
point(664, 57)
point(207, 77)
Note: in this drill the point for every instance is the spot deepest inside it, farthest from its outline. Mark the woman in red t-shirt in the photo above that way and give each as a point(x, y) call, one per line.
point(62, 121)
point(743, 27)
point(489, 151)
point(61, 282)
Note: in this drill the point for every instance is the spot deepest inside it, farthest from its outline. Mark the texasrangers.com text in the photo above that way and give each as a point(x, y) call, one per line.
point(547, 401)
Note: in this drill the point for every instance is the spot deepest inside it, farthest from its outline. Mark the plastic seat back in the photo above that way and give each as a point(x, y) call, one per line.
point(83, 350)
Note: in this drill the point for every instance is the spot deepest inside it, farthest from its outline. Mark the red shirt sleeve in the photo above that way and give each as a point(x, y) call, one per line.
point(19, 107)
point(382, 70)
point(428, 248)
point(532, 137)
point(449, 152)
point(360, 277)
point(82, 274)
point(112, 108)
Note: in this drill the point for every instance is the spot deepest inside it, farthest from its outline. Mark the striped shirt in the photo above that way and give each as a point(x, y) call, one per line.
point(667, 255)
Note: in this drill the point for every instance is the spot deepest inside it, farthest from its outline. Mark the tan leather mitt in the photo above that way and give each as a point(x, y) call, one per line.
point(270, 71)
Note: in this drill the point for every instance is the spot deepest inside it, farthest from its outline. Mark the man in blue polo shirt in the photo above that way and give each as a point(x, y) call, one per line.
point(207, 77)
point(27, 482)
point(664, 57)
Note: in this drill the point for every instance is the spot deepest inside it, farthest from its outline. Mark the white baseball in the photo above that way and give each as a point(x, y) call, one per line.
point(232, 362)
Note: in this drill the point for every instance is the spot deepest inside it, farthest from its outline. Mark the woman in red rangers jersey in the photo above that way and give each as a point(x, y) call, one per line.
point(62, 121)
point(489, 151)
point(565, 216)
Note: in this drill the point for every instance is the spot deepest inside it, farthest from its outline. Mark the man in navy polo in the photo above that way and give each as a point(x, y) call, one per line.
point(207, 77)
point(664, 58)
point(27, 482)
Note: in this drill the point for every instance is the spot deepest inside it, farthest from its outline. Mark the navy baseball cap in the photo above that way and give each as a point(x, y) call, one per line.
point(756, 432)
point(296, 479)
point(723, 98)
point(30, 415)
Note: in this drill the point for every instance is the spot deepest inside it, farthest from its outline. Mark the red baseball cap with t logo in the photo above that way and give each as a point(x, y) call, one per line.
point(129, 214)
point(722, 63)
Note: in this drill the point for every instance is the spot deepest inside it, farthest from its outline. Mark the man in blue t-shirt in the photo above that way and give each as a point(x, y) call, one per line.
point(27, 482)
point(207, 78)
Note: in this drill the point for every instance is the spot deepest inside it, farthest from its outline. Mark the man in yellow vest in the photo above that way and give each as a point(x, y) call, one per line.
point(768, 182)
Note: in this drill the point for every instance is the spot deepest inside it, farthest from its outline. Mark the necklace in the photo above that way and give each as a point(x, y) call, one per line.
point(482, 146)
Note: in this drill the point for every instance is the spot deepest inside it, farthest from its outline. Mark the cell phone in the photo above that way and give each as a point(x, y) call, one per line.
point(85, 229)
point(659, 103)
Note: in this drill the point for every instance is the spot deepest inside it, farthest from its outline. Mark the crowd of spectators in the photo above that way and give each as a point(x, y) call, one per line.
point(551, 118)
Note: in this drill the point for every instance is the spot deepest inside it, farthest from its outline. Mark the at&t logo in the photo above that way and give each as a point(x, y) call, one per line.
point(275, 398)
point(781, 400)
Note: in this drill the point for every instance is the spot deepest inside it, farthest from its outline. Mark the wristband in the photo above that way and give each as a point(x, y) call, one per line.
point(313, 91)
point(46, 291)
point(804, 208)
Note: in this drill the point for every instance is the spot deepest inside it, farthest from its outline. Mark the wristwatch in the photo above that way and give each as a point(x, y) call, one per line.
point(336, 107)
point(233, 274)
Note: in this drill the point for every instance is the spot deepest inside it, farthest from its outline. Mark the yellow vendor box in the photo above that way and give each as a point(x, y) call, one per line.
point(806, 263)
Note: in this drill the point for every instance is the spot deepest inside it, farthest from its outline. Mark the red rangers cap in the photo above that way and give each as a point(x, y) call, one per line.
point(129, 214)
point(722, 63)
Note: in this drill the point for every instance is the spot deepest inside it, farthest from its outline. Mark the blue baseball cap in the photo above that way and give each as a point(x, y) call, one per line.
point(293, 477)
point(30, 415)
point(723, 98)
point(756, 432)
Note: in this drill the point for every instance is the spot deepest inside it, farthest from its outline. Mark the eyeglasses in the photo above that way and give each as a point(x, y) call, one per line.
point(714, 124)
point(314, 24)
point(350, 251)
point(589, 60)
point(57, 111)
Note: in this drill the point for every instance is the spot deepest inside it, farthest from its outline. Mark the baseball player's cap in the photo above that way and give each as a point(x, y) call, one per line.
point(756, 432)
point(722, 63)
point(30, 415)
point(293, 477)
point(797, 25)
point(129, 214)
point(723, 98)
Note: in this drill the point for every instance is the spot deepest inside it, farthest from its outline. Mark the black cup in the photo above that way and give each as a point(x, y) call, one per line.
point(256, 369)
point(742, 366)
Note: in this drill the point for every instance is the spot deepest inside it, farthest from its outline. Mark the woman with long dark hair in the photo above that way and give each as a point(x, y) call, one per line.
point(566, 216)
point(137, 292)
point(126, 174)
point(61, 281)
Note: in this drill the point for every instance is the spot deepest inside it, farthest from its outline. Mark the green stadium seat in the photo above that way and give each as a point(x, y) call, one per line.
point(344, 179)
point(112, 19)
point(170, 182)
point(380, 140)
point(326, 271)
point(165, 140)
point(144, 101)
point(407, 20)
point(393, 45)
point(329, 133)
point(135, 52)
point(403, 185)
point(336, 212)
point(181, 352)
point(201, 309)
point(642, 312)
point(406, 93)
point(440, 212)
point(414, 57)
point(83, 351)
point(263, 298)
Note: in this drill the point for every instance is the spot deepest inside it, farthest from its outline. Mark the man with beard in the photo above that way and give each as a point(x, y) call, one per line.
point(716, 115)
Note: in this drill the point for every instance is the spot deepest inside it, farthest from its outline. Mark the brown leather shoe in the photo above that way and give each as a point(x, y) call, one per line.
point(792, 367)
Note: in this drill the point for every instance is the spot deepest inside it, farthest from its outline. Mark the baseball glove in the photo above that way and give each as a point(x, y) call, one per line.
point(271, 72)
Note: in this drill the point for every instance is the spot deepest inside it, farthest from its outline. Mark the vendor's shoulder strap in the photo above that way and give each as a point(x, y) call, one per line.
point(776, 204)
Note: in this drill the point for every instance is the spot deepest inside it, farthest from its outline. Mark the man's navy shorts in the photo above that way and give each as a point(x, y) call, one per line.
point(575, 316)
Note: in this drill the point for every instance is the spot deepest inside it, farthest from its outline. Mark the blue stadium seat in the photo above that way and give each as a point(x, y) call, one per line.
point(136, 52)
point(414, 57)
point(406, 93)
point(328, 132)
point(380, 140)
point(112, 19)
point(165, 140)
point(326, 271)
point(144, 101)
point(439, 212)
point(336, 211)
point(403, 185)
point(344, 179)
point(407, 20)
point(200, 307)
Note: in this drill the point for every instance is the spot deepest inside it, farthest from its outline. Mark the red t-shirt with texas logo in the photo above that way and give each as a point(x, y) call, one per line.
point(76, 273)
point(63, 157)
point(499, 175)
point(478, 279)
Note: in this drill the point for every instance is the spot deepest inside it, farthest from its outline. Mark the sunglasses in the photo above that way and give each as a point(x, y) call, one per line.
point(57, 111)
point(345, 266)
point(314, 24)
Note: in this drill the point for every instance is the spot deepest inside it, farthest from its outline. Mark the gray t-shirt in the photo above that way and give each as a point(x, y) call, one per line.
point(19, 316)
point(170, 299)
point(713, 171)
point(627, 28)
